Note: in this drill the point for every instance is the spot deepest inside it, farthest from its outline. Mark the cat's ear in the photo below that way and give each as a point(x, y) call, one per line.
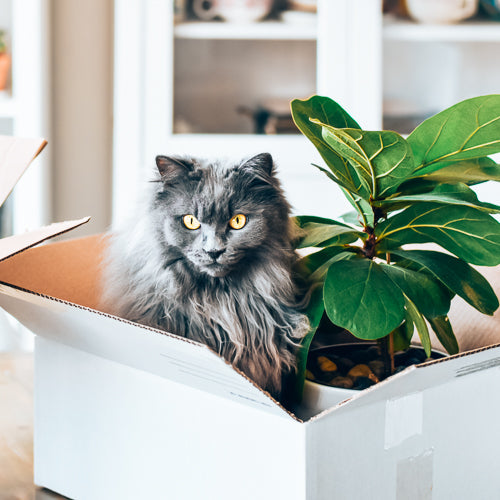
point(171, 168)
point(262, 165)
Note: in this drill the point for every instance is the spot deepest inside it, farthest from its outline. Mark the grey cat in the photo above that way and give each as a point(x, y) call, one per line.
point(208, 256)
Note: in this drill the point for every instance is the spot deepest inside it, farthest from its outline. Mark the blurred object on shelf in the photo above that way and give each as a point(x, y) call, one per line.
point(5, 61)
point(491, 8)
point(183, 126)
point(235, 11)
point(299, 17)
point(403, 116)
point(396, 7)
point(179, 11)
point(442, 11)
point(272, 116)
point(302, 5)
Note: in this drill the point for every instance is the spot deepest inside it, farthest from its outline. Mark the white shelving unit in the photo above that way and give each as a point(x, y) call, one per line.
point(165, 72)
point(191, 76)
point(24, 107)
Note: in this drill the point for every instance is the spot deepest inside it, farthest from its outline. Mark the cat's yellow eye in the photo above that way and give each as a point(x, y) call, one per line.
point(191, 222)
point(238, 221)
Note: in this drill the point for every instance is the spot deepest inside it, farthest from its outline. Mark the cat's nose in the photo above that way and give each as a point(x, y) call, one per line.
point(215, 254)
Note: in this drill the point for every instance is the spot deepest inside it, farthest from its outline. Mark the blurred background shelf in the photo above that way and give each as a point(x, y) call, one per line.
point(267, 30)
point(397, 29)
point(218, 88)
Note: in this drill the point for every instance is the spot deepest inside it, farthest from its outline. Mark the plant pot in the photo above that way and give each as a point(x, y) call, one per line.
point(5, 62)
point(319, 396)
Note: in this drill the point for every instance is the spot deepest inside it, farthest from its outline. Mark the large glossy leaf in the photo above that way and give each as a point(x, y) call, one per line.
point(419, 322)
point(470, 234)
point(427, 293)
point(326, 111)
point(314, 266)
point(470, 171)
point(316, 234)
point(383, 159)
point(457, 275)
point(444, 332)
point(469, 129)
point(454, 194)
point(360, 297)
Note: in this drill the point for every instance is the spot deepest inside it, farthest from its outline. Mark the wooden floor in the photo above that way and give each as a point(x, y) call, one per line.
point(16, 430)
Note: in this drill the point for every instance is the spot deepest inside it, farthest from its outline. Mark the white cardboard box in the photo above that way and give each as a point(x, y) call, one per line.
point(127, 412)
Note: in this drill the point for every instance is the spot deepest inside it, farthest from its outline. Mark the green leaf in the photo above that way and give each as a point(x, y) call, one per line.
point(351, 217)
point(361, 298)
point(316, 234)
point(453, 194)
point(315, 310)
point(313, 266)
point(444, 332)
point(327, 111)
point(424, 290)
point(402, 336)
point(302, 220)
point(471, 171)
point(457, 275)
point(343, 185)
point(467, 232)
point(382, 159)
point(469, 129)
point(363, 208)
point(421, 326)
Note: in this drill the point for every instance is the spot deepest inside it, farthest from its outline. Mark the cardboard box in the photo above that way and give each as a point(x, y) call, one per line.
point(127, 412)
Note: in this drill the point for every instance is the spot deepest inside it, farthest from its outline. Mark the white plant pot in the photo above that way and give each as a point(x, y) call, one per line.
point(441, 11)
point(319, 397)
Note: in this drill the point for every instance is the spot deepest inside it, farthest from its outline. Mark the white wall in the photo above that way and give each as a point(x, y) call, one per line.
point(81, 138)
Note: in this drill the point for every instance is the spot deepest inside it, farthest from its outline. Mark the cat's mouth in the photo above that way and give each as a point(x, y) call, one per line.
point(215, 269)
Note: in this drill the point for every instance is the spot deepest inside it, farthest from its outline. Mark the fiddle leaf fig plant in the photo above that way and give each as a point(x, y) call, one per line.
point(403, 191)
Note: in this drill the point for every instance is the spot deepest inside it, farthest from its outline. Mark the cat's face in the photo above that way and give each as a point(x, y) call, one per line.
point(220, 219)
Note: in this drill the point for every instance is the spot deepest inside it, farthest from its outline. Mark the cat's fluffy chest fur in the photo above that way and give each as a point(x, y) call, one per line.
point(207, 256)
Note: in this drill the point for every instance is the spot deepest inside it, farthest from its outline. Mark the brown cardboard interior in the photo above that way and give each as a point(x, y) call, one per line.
point(68, 270)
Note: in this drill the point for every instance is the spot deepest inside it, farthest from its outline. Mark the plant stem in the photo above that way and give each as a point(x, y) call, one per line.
point(386, 346)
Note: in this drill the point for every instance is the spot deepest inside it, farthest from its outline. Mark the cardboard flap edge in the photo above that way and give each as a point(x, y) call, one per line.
point(13, 245)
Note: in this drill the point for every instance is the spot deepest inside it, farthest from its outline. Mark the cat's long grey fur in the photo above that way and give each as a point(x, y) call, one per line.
point(228, 288)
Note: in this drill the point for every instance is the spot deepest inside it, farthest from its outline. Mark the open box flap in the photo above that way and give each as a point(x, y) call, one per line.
point(15, 156)
point(15, 244)
point(128, 343)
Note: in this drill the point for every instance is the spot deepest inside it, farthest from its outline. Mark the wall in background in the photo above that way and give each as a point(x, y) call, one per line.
point(82, 104)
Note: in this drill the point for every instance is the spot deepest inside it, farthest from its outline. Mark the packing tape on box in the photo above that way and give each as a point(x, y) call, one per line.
point(415, 477)
point(403, 419)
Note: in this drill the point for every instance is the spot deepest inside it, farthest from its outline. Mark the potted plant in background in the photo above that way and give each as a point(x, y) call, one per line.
point(5, 61)
point(407, 191)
